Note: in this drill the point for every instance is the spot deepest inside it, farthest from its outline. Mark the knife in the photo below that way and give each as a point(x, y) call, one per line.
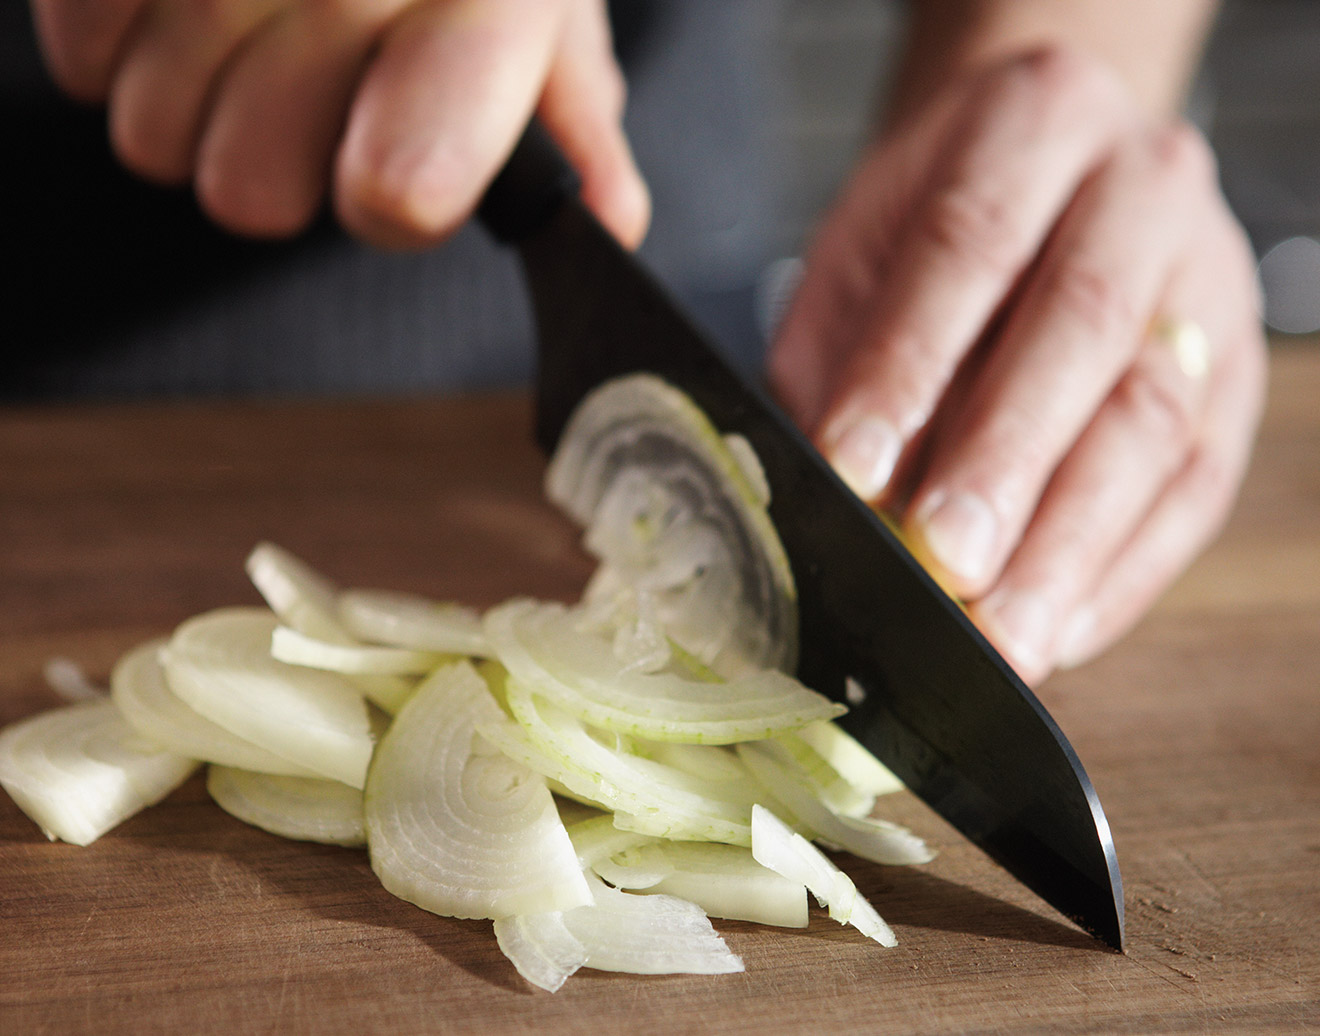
point(927, 693)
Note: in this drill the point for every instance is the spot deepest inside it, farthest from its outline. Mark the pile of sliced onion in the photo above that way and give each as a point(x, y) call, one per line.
point(599, 780)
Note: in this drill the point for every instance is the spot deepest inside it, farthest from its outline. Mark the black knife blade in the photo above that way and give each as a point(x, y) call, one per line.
point(927, 693)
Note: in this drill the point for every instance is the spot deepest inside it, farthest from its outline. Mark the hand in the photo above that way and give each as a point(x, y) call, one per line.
point(403, 110)
point(973, 347)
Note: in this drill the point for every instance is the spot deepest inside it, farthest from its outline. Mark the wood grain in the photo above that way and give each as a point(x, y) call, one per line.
point(1201, 732)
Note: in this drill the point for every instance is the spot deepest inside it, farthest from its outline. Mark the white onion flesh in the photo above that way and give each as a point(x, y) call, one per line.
point(542, 645)
point(727, 881)
point(305, 809)
point(541, 947)
point(144, 698)
point(411, 621)
point(876, 840)
point(456, 827)
point(308, 601)
point(672, 802)
point(777, 846)
point(219, 663)
point(288, 645)
point(303, 598)
point(678, 494)
point(846, 755)
point(79, 770)
point(648, 935)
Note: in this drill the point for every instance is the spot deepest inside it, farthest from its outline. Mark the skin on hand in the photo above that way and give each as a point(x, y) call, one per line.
point(399, 112)
point(973, 347)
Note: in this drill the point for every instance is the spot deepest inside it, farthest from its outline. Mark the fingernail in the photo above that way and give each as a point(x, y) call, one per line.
point(1022, 623)
point(864, 451)
point(959, 530)
point(1075, 645)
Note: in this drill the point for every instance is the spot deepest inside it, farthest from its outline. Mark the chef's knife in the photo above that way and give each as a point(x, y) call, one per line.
point(926, 692)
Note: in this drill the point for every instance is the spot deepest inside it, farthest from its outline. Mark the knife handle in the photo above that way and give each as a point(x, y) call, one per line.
point(534, 182)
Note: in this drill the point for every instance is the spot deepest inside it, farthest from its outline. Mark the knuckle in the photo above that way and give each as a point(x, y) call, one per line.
point(1155, 398)
point(970, 225)
point(1064, 78)
point(1183, 153)
point(1093, 297)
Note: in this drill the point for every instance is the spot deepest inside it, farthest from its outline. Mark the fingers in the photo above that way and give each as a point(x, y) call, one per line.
point(1188, 510)
point(1011, 165)
point(407, 108)
point(1074, 330)
point(446, 98)
point(265, 155)
point(582, 108)
point(165, 77)
point(1163, 410)
point(81, 39)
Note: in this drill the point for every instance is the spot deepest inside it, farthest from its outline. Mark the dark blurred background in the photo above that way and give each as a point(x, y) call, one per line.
point(745, 116)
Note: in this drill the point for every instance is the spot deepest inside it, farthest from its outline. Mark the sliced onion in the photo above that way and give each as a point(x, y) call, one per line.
point(850, 759)
point(541, 947)
point(144, 698)
point(596, 838)
point(542, 645)
point(648, 935)
point(219, 663)
point(455, 826)
point(640, 867)
point(306, 809)
point(667, 801)
point(676, 493)
point(288, 645)
point(877, 840)
point(840, 796)
point(307, 601)
point(726, 881)
point(410, 621)
point(302, 597)
point(783, 850)
point(79, 770)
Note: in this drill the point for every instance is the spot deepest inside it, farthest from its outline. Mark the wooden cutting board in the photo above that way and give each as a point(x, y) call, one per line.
point(1201, 732)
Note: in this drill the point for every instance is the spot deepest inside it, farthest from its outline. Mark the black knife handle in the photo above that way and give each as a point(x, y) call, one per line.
point(535, 181)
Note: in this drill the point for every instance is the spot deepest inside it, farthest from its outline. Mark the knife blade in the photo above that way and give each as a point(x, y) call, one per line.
point(927, 693)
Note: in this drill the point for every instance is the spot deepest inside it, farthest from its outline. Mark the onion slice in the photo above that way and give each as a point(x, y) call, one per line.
point(661, 799)
point(79, 770)
point(727, 881)
point(306, 809)
point(307, 601)
point(541, 947)
point(289, 645)
point(783, 850)
point(543, 645)
point(648, 935)
point(452, 824)
point(219, 663)
point(144, 698)
point(410, 621)
point(879, 841)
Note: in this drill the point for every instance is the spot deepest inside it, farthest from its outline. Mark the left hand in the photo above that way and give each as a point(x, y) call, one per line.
point(973, 347)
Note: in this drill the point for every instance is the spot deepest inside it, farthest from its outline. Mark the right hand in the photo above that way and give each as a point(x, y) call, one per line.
point(400, 110)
